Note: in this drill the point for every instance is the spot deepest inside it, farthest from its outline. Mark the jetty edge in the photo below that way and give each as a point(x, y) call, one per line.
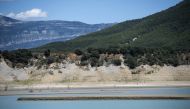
point(104, 98)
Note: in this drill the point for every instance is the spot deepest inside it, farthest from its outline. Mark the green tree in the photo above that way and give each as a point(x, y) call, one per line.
point(131, 62)
point(78, 52)
point(47, 53)
point(116, 62)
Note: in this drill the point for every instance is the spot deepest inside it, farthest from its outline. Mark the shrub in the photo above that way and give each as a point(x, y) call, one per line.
point(101, 50)
point(95, 54)
point(85, 57)
point(47, 53)
point(123, 50)
point(84, 63)
point(21, 56)
point(173, 61)
point(94, 61)
point(62, 57)
point(113, 50)
point(89, 50)
point(78, 52)
point(116, 62)
point(50, 60)
point(131, 62)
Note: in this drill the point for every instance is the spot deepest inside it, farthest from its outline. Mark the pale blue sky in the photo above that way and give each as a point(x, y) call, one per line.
point(88, 11)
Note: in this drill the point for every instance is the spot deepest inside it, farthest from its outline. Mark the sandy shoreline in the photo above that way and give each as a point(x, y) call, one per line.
point(96, 85)
point(15, 89)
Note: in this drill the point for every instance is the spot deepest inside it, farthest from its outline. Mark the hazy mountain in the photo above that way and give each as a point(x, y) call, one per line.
point(6, 20)
point(169, 28)
point(27, 34)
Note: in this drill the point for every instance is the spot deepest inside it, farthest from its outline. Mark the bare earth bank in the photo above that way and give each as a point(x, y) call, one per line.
point(59, 76)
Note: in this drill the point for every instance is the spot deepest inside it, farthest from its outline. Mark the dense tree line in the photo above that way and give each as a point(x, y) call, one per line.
point(21, 56)
point(135, 56)
point(132, 56)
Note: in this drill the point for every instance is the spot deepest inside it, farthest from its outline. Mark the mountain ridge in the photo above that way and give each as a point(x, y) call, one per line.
point(15, 34)
point(169, 28)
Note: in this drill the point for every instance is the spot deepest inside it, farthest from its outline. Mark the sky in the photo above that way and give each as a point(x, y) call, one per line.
point(87, 11)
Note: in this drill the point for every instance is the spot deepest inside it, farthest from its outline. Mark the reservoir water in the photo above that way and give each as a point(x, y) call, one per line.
point(10, 102)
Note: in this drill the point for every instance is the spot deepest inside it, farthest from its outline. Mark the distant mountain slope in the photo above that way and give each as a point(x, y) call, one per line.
point(27, 34)
point(6, 20)
point(169, 28)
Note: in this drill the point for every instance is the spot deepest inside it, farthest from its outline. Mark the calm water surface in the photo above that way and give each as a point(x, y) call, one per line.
point(10, 102)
